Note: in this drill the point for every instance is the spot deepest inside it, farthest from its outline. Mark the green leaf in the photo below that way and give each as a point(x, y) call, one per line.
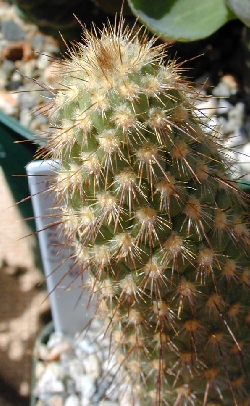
point(183, 20)
point(242, 9)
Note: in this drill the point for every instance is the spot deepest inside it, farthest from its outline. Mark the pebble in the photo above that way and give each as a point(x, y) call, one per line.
point(72, 400)
point(16, 51)
point(7, 67)
point(86, 386)
point(221, 90)
point(57, 350)
point(87, 347)
point(12, 31)
point(43, 61)
point(48, 383)
point(243, 157)
point(38, 42)
point(207, 108)
point(55, 340)
point(16, 81)
point(223, 106)
point(8, 103)
point(76, 368)
point(231, 83)
point(55, 400)
point(39, 370)
point(92, 366)
point(236, 116)
point(25, 117)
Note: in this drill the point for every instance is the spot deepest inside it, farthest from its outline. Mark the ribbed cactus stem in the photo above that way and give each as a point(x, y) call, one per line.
point(151, 206)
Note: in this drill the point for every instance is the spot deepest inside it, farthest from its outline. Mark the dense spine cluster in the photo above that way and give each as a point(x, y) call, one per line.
point(151, 207)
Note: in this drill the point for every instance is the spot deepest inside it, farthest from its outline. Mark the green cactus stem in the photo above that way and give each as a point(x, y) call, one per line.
point(150, 204)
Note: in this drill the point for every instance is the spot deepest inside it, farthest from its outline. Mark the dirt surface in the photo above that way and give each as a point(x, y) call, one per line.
point(23, 303)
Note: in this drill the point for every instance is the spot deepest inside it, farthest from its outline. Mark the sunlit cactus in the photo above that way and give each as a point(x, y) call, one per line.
point(150, 205)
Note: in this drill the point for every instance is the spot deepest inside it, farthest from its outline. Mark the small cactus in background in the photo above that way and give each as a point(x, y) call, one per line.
point(151, 206)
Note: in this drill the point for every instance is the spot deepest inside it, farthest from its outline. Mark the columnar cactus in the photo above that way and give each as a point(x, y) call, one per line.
point(152, 209)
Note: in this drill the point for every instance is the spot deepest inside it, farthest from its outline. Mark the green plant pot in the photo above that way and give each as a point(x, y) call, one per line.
point(17, 149)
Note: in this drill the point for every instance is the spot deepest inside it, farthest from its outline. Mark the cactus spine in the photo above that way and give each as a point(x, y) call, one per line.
point(151, 207)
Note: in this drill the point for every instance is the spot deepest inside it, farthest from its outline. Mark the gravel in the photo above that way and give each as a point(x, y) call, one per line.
point(78, 371)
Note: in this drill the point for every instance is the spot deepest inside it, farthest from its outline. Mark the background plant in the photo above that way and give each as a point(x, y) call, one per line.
point(178, 20)
point(192, 20)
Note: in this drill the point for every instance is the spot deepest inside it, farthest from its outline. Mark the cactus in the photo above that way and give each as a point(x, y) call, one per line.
point(151, 206)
